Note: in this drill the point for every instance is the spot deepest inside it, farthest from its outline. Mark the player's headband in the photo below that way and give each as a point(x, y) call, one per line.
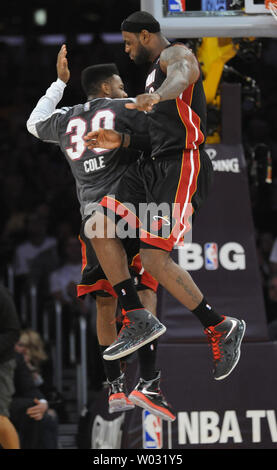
point(133, 27)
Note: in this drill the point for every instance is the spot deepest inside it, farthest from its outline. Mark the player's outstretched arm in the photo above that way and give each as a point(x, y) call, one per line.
point(181, 68)
point(62, 65)
point(47, 103)
point(111, 139)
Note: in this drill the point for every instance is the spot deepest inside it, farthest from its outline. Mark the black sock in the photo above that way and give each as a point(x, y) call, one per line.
point(206, 315)
point(147, 360)
point(111, 368)
point(127, 295)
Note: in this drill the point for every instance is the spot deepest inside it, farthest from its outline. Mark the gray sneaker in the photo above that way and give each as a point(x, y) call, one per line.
point(225, 340)
point(139, 328)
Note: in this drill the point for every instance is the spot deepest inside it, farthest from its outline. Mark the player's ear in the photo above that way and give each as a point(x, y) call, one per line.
point(106, 88)
point(144, 36)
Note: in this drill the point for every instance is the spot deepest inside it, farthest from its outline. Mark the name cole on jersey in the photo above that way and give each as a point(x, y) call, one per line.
point(77, 128)
point(94, 164)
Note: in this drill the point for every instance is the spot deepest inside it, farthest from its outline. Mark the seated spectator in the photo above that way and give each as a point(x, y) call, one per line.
point(29, 411)
point(64, 279)
point(35, 259)
point(9, 332)
point(37, 242)
point(31, 346)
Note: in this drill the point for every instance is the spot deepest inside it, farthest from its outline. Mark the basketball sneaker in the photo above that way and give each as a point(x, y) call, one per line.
point(225, 340)
point(118, 400)
point(148, 395)
point(139, 328)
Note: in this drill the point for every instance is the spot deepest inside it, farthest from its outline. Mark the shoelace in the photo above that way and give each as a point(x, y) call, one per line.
point(126, 323)
point(214, 341)
point(117, 388)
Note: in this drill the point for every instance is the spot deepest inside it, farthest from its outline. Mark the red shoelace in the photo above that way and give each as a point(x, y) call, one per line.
point(126, 323)
point(214, 341)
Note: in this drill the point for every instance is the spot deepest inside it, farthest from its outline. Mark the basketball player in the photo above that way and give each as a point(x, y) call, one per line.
point(179, 173)
point(97, 174)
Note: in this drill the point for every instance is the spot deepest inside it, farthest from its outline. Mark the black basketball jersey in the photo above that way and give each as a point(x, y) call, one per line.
point(97, 172)
point(175, 125)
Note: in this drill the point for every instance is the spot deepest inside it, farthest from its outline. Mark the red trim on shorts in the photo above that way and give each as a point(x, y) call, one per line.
point(146, 279)
point(186, 188)
point(121, 210)
point(102, 284)
point(84, 254)
point(188, 94)
point(191, 120)
point(149, 281)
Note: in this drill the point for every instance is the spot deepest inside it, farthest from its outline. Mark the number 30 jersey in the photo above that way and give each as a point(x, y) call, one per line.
point(97, 172)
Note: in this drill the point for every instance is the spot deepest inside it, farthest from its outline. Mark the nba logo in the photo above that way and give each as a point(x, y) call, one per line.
point(211, 256)
point(176, 5)
point(152, 431)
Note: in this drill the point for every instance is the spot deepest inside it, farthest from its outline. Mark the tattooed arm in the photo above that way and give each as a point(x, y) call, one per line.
point(181, 68)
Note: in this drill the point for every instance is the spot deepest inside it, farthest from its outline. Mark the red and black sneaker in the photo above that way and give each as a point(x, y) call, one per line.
point(148, 395)
point(118, 400)
point(225, 340)
point(139, 328)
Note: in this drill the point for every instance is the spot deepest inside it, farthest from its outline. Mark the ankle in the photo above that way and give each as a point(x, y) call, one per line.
point(207, 315)
point(127, 295)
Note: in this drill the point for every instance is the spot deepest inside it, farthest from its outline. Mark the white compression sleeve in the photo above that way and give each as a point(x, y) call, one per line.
point(46, 105)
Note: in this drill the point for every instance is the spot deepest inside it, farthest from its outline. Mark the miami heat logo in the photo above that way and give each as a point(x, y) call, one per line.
point(158, 222)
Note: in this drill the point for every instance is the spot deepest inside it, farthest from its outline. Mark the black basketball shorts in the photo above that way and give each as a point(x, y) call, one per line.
point(94, 280)
point(160, 197)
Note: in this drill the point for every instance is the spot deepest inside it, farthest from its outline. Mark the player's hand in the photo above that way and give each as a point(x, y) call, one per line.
point(144, 102)
point(37, 412)
point(103, 138)
point(62, 65)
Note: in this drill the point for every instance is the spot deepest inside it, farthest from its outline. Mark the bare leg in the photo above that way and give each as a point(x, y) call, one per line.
point(105, 323)
point(106, 310)
point(149, 300)
point(109, 249)
point(180, 284)
point(113, 260)
point(8, 436)
point(171, 276)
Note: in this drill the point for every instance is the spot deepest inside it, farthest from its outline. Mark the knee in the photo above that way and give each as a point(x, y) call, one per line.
point(153, 260)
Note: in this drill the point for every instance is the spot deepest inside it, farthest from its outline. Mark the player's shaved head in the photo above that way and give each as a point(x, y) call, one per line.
point(93, 76)
point(140, 20)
